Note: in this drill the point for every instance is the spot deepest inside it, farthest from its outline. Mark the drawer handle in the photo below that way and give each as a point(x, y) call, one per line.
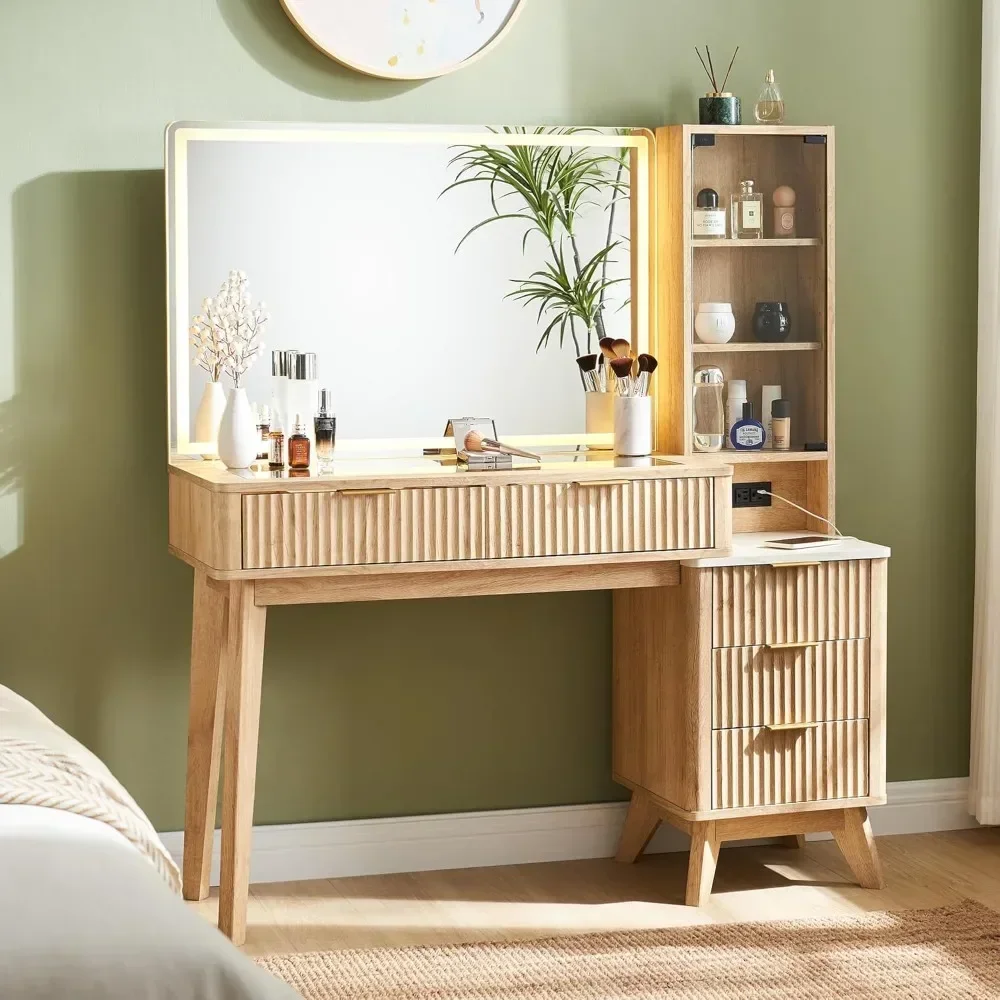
point(366, 493)
point(790, 645)
point(795, 565)
point(791, 727)
point(595, 483)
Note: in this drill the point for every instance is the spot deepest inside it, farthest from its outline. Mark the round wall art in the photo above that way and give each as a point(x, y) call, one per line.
point(404, 39)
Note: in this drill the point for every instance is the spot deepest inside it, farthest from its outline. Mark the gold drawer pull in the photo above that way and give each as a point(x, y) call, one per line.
point(603, 482)
point(790, 645)
point(366, 493)
point(795, 565)
point(791, 727)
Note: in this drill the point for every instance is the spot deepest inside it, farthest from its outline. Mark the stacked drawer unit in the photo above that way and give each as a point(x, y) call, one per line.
point(791, 684)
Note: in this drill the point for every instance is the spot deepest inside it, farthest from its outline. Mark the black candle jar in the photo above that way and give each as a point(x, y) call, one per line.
point(719, 109)
point(771, 322)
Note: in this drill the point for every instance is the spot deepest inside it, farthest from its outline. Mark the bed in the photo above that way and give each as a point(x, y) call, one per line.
point(83, 911)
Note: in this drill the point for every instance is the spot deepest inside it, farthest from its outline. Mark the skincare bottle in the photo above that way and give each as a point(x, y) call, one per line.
point(748, 213)
point(264, 430)
point(736, 396)
point(325, 427)
point(279, 385)
point(707, 219)
point(298, 445)
point(747, 434)
point(276, 445)
point(302, 391)
point(768, 394)
point(781, 425)
point(709, 413)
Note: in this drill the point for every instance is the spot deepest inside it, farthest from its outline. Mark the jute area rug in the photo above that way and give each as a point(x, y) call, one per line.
point(940, 954)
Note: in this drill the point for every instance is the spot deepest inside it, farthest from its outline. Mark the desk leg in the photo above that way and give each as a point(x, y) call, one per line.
point(857, 844)
point(641, 822)
point(205, 716)
point(246, 658)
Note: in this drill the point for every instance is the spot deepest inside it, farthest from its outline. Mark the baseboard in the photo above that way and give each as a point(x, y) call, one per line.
point(291, 852)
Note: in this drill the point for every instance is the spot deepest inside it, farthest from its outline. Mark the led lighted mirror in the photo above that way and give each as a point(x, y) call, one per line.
point(434, 273)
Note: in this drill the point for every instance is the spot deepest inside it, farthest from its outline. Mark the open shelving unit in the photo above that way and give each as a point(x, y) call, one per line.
point(799, 271)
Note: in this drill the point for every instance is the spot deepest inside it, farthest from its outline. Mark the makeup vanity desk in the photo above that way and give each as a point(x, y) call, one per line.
point(386, 530)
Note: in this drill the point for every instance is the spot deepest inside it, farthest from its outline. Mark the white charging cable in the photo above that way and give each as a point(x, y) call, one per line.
point(762, 492)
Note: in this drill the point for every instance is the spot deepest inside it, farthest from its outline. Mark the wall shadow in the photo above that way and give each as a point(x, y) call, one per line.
point(271, 39)
point(91, 617)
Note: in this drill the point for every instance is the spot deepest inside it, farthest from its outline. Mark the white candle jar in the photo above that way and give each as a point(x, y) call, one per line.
point(715, 322)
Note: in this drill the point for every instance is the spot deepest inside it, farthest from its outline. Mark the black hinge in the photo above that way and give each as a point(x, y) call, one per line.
point(819, 140)
point(701, 139)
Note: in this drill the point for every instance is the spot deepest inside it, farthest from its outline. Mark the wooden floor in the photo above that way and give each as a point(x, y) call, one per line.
point(570, 897)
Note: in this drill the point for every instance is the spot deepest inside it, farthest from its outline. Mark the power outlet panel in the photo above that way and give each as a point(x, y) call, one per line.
point(746, 495)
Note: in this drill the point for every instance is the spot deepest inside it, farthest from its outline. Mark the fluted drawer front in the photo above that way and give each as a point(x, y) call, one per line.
point(341, 529)
point(754, 605)
point(761, 767)
point(282, 530)
point(645, 515)
point(761, 685)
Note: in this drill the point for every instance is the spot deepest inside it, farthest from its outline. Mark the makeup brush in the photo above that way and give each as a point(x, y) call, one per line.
point(622, 367)
point(647, 365)
point(622, 348)
point(607, 346)
point(588, 365)
point(474, 441)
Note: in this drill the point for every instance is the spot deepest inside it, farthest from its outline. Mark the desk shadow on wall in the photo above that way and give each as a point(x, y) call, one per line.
point(91, 616)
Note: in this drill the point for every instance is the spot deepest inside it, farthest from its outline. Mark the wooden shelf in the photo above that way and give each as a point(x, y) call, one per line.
point(726, 244)
point(752, 348)
point(729, 456)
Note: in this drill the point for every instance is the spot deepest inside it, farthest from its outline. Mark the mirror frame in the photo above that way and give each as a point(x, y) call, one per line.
point(180, 134)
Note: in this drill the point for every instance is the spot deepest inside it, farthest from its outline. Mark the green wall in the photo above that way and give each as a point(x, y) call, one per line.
point(382, 709)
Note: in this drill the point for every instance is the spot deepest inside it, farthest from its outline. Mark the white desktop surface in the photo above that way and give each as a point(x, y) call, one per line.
point(749, 550)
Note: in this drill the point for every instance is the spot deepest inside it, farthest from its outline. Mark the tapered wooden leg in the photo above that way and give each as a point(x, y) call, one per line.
point(857, 844)
point(794, 840)
point(641, 822)
point(246, 659)
point(205, 718)
point(701, 863)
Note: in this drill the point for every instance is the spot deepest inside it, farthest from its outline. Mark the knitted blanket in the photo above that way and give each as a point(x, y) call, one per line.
point(33, 775)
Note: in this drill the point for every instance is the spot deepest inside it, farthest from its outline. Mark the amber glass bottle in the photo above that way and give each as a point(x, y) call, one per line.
point(298, 446)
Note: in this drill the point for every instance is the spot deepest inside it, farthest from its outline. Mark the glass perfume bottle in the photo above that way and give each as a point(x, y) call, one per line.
point(264, 430)
point(276, 445)
point(747, 213)
point(770, 108)
point(709, 412)
point(325, 425)
point(298, 445)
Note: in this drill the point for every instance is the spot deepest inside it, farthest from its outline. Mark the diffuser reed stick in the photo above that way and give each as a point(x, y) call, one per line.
point(709, 69)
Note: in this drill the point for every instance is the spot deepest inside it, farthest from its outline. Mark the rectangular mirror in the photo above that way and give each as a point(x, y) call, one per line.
point(434, 273)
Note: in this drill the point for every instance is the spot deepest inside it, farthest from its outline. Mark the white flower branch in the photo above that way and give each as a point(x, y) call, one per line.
point(226, 335)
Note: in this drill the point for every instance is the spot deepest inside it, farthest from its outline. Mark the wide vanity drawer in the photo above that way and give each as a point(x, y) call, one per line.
point(802, 602)
point(367, 527)
point(776, 685)
point(770, 767)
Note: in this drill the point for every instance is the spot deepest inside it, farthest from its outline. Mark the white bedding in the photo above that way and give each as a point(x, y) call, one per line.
point(84, 915)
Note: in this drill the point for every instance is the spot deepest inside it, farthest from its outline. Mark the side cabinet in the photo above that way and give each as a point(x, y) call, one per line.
point(755, 706)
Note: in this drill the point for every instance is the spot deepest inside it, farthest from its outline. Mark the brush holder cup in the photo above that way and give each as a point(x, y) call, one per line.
point(633, 425)
point(600, 414)
point(719, 109)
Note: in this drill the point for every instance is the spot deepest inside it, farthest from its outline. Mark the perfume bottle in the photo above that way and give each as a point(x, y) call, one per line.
point(770, 108)
point(747, 434)
point(747, 213)
point(264, 430)
point(302, 391)
point(325, 426)
point(709, 412)
point(298, 445)
point(276, 445)
point(708, 219)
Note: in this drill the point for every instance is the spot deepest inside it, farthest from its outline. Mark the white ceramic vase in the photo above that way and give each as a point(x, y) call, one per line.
point(238, 437)
point(208, 416)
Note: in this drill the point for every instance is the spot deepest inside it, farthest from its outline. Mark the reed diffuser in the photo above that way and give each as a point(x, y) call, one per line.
point(718, 106)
